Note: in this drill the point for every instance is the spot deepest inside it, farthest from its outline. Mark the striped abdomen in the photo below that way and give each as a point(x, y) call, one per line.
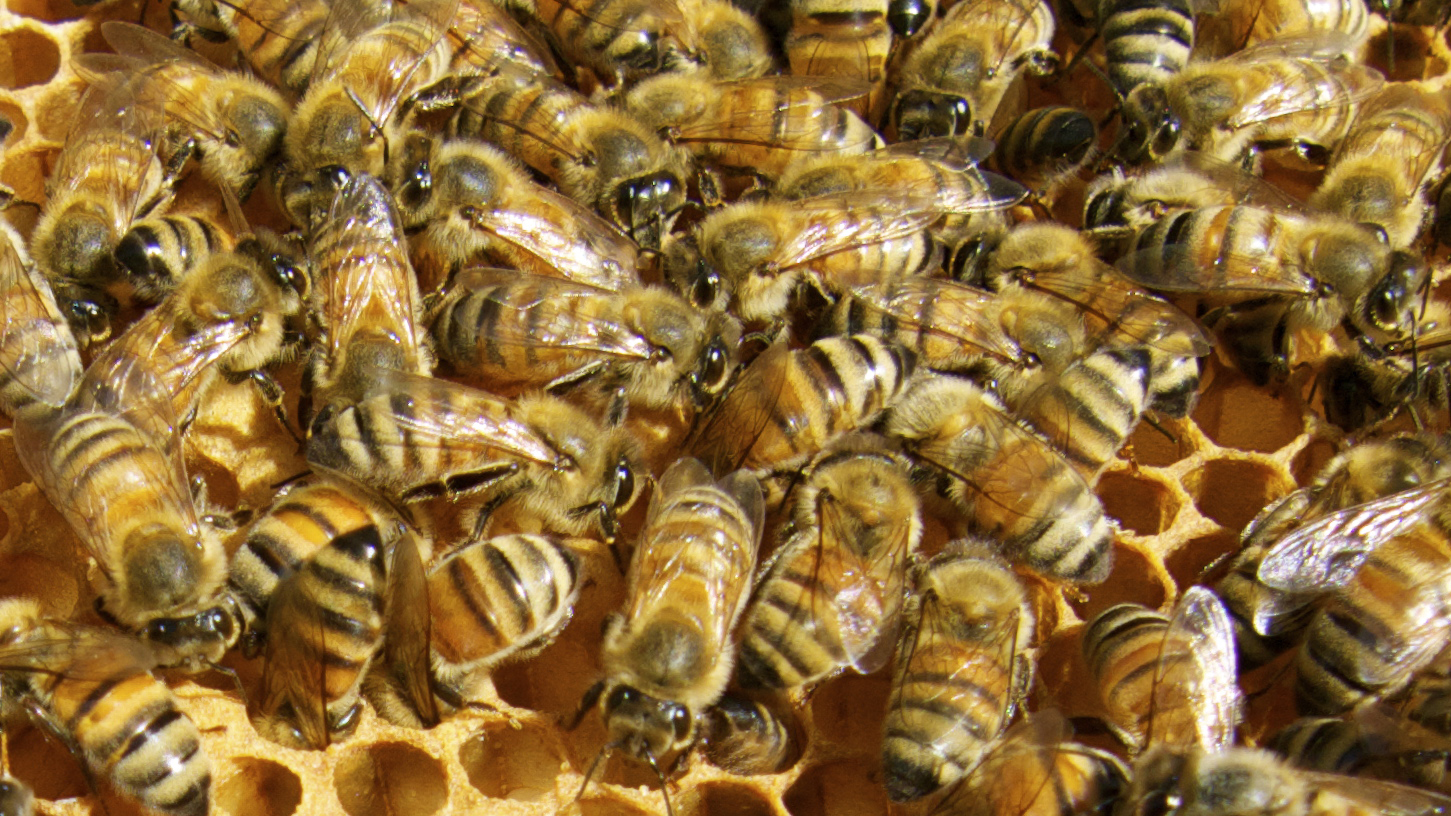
point(1371, 636)
point(157, 252)
point(279, 39)
point(496, 599)
point(805, 125)
point(1323, 744)
point(520, 116)
point(131, 732)
point(749, 737)
point(1127, 650)
point(1146, 41)
point(1222, 243)
point(1173, 382)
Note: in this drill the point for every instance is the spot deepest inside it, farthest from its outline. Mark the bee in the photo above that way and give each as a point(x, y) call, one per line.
point(1301, 272)
point(415, 437)
point(1381, 173)
point(1266, 621)
point(460, 199)
point(367, 296)
point(1167, 681)
point(305, 517)
point(109, 175)
point(1374, 741)
point(1380, 568)
point(747, 736)
point(728, 42)
point(643, 346)
point(1059, 265)
point(830, 597)
point(845, 39)
point(620, 41)
point(1301, 92)
point(1373, 381)
point(964, 664)
point(157, 252)
point(7, 194)
point(233, 123)
point(597, 155)
point(1143, 43)
point(1013, 486)
point(756, 126)
point(40, 362)
point(1245, 23)
point(761, 252)
point(325, 627)
point(952, 82)
point(787, 405)
point(94, 687)
point(667, 655)
point(278, 39)
point(501, 599)
point(1044, 147)
point(1034, 770)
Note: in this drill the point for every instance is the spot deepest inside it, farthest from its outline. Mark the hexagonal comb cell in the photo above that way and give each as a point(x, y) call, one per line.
point(505, 763)
point(1141, 505)
point(604, 807)
point(258, 788)
point(40, 578)
point(1162, 446)
point(731, 800)
point(837, 789)
point(1238, 415)
point(1233, 491)
point(33, 58)
point(50, 11)
point(850, 709)
point(1136, 579)
point(388, 778)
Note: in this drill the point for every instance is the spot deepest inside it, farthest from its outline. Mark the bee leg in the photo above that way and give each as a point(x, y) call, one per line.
point(272, 394)
point(236, 679)
point(1156, 425)
point(586, 703)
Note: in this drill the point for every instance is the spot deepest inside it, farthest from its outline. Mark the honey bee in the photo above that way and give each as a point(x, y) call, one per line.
point(787, 405)
point(1380, 175)
point(496, 600)
point(416, 437)
point(964, 664)
point(325, 625)
point(846, 39)
point(1266, 621)
point(829, 598)
point(1243, 23)
point(761, 252)
point(747, 736)
point(1059, 265)
point(667, 655)
point(643, 346)
point(1301, 92)
point(40, 363)
point(952, 82)
point(1300, 272)
point(728, 42)
point(619, 41)
point(1167, 681)
point(1143, 43)
point(460, 199)
point(94, 687)
point(755, 126)
point(1044, 147)
point(596, 155)
point(1034, 770)
point(108, 175)
point(1374, 741)
point(233, 123)
point(367, 296)
point(278, 39)
point(157, 252)
point(1013, 486)
point(1380, 568)
point(304, 518)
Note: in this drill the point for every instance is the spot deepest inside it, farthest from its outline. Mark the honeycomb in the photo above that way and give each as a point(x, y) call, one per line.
point(1181, 492)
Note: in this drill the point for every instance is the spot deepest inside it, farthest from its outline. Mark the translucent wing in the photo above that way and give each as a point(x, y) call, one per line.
point(562, 316)
point(406, 649)
point(1022, 773)
point(76, 652)
point(1326, 553)
point(1196, 674)
point(827, 225)
point(1373, 796)
point(554, 135)
point(1329, 80)
point(787, 113)
point(38, 354)
point(865, 602)
point(1229, 182)
point(727, 435)
point(483, 36)
point(407, 34)
point(1410, 151)
point(567, 239)
point(1010, 23)
point(1182, 267)
point(954, 152)
point(947, 318)
point(364, 279)
point(294, 674)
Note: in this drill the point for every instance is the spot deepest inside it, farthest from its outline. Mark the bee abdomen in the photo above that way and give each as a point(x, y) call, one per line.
point(1146, 41)
point(776, 650)
point(1173, 383)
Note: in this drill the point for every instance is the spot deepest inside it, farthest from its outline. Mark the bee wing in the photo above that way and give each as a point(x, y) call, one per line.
point(1326, 553)
point(1179, 267)
point(1342, 84)
point(484, 36)
point(724, 440)
point(1367, 795)
point(1414, 154)
point(407, 632)
point(398, 76)
point(115, 114)
point(799, 99)
point(37, 350)
point(358, 292)
point(78, 652)
point(866, 605)
point(559, 318)
point(970, 324)
point(1010, 21)
point(952, 152)
point(658, 15)
point(1122, 309)
point(1237, 184)
point(294, 675)
point(1196, 663)
point(567, 237)
point(549, 131)
point(838, 223)
point(1016, 772)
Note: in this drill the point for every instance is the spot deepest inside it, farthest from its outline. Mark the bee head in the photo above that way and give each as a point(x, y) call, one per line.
point(922, 114)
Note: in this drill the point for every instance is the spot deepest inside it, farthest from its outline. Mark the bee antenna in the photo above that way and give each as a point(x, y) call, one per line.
point(590, 772)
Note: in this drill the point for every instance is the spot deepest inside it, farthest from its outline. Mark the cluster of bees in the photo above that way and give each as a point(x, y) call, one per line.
point(546, 258)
